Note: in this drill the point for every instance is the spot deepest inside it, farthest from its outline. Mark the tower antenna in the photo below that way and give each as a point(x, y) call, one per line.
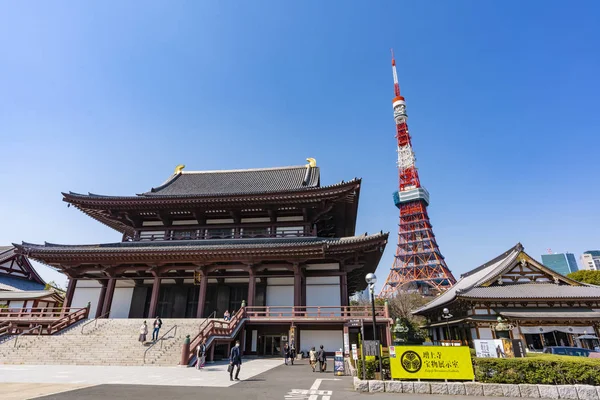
point(418, 263)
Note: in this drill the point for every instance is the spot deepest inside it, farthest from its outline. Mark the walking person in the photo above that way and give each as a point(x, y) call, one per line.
point(286, 353)
point(235, 360)
point(322, 360)
point(143, 332)
point(157, 324)
point(292, 352)
point(312, 357)
point(200, 355)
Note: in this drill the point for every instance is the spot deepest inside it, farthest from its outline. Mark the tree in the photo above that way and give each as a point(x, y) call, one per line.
point(584, 276)
point(53, 285)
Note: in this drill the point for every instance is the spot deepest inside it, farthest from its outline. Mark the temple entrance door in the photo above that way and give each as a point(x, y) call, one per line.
point(272, 345)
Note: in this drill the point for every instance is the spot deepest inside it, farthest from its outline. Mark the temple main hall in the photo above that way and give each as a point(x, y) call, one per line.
point(273, 241)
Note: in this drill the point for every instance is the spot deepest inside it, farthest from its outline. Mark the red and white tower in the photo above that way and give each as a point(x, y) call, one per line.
point(418, 264)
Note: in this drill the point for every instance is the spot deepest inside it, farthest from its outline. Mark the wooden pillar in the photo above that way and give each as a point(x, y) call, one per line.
point(297, 286)
point(202, 295)
point(100, 305)
point(344, 289)
point(154, 298)
point(251, 288)
point(108, 298)
point(69, 294)
point(212, 351)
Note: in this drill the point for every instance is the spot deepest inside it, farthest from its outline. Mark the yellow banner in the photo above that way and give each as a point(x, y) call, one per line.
point(431, 362)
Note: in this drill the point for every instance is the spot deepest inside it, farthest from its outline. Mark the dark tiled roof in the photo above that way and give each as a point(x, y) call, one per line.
point(532, 290)
point(29, 295)
point(215, 244)
point(238, 181)
point(17, 284)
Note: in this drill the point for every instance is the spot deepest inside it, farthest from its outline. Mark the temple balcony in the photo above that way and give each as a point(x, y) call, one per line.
point(223, 233)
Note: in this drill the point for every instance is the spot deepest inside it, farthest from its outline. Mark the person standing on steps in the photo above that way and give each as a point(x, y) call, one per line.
point(157, 325)
point(235, 360)
point(143, 332)
point(322, 359)
point(312, 357)
point(226, 316)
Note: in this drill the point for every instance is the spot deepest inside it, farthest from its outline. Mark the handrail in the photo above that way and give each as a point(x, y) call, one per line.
point(95, 320)
point(68, 320)
point(37, 312)
point(161, 340)
point(232, 325)
point(22, 333)
point(4, 327)
point(341, 312)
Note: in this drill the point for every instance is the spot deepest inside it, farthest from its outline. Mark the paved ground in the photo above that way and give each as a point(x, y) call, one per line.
point(296, 382)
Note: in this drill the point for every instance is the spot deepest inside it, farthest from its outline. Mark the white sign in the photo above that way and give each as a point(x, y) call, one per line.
point(354, 354)
point(346, 343)
point(489, 348)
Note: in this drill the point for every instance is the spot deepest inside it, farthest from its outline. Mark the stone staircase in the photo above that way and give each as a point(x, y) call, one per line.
point(109, 342)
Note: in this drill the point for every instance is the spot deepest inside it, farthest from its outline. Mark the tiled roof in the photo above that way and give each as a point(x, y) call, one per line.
point(238, 181)
point(18, 284)
point(549, 313)
point(35, 294)
point(532, 290)
point(6, 252)
point(474, 277)
point(191, 245)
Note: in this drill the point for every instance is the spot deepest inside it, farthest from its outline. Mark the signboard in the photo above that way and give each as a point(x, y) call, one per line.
point(197, 277)
point(346, 343)
point(431, 362)
point(354, 352)
point(338, 363)
point(371, 347)
point(353, 322)
point(499, 348)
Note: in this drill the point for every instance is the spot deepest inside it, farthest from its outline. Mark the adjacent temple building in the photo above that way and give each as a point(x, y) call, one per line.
point(272, 241)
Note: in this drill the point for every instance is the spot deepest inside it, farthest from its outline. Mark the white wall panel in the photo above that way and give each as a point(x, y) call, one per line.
point(121, 303)
point(280, 296)
point(485, 333)
point(323, 295)
point(331, 340)
point(83, 295)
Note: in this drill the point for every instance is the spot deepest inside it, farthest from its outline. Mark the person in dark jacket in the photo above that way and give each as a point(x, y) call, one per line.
point(322, 359)
point(286, 353)
point(157, 324)
point(235, 360)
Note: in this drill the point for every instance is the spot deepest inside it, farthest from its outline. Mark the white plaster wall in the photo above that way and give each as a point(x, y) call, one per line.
point(280, 296)
point(83, 295)
point(16, 304)
point(121, 303)
point(331, 340)
point(485, 333)
point(474, 333)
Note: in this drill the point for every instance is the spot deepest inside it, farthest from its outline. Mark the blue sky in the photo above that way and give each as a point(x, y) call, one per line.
point(109, 97)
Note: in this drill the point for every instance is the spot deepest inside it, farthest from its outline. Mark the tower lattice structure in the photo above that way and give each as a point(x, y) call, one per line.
point(418, 263)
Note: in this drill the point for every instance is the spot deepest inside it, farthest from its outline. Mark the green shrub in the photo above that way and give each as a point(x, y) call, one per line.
point(547, 369)
point(372, 365)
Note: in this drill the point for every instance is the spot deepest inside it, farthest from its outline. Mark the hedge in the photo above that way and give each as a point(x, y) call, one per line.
point(371, 365)
point(547, 369)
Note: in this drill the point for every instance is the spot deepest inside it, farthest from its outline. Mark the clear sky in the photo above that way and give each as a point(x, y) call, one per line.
point(502, 96)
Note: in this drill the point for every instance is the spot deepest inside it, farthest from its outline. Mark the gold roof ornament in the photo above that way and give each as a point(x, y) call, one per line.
point(312, 162)
point(179, 168)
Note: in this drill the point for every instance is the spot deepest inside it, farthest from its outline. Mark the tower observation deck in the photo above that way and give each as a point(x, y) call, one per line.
point(418, 264)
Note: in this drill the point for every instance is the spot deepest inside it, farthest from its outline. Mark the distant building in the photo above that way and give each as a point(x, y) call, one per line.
point(590, 260)
point(563, 263)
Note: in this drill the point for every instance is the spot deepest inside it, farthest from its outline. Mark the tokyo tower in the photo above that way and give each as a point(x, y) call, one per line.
point(418, 264)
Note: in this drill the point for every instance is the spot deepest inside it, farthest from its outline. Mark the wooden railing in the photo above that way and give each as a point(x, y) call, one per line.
point(248, 233)
point(48, 313)
point(314, 312)
point(52, 320)
point(215, 328)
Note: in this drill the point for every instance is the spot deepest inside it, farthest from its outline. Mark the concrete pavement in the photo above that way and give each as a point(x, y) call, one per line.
point(295, 382)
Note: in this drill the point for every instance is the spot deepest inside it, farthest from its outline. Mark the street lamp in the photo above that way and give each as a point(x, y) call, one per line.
point(371, 280)
point(446, 315)
point(399, 330)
